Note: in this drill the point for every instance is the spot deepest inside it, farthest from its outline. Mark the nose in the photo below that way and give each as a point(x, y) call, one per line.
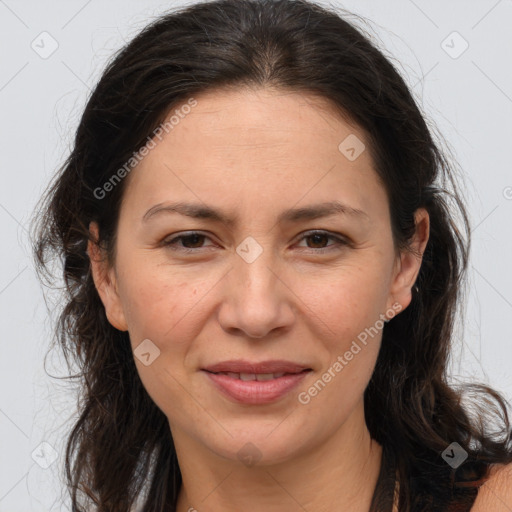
point(257, 300)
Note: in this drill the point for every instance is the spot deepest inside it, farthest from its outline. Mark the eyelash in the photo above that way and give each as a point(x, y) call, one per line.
point(171, 244)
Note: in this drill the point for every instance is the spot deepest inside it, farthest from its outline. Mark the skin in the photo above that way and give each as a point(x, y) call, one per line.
point(254, 153)
point(496, 494)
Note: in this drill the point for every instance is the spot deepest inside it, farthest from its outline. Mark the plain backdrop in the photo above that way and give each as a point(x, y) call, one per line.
point(456, 57)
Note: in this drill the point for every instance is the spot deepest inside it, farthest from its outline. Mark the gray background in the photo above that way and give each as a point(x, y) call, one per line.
point(468, 96)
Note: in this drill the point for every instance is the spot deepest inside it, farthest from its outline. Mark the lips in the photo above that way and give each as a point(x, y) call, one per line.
point(251, 368)
point(256, 383)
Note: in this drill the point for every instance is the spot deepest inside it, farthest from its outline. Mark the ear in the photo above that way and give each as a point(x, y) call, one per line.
point(409, 262)
point(105, 280)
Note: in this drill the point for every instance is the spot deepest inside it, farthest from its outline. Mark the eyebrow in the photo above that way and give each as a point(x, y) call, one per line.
point(294, 215)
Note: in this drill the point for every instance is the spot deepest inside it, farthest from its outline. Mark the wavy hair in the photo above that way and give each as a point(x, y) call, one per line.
point(120, 449)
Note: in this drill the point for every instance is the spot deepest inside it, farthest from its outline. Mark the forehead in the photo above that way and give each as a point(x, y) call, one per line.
point(271, 115)
point(234, 145)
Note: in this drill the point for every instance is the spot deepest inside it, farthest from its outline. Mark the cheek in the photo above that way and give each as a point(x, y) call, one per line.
point(167, 315)
point(339, 389)
point(350, 310)
point(168, 309)
point(348, 299)
point(160, 304)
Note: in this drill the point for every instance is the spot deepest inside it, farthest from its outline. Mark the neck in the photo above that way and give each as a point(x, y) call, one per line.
point(339, 473)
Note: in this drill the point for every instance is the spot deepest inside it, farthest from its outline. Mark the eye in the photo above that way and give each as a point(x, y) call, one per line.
point(193, 238)
point(319, 237)
point(183, 243)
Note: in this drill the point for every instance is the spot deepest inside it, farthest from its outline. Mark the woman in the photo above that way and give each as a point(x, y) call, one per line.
point(230, 359)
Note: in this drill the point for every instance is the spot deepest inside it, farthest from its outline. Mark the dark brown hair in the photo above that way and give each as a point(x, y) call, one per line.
point(120, 449)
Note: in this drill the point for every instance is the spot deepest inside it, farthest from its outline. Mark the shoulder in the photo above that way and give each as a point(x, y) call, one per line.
point(495, 495)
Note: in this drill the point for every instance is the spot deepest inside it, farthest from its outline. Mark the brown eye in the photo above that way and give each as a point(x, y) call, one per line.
point(317, 239)
point(190, 242)
point(320, 238)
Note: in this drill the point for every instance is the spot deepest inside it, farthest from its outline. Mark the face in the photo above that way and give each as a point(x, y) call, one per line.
point(268, 281)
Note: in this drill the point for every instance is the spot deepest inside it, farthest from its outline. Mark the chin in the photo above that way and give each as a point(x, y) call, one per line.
point(258, 445)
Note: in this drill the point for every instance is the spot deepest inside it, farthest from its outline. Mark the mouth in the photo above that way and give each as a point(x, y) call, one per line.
point(269, 367)
point(256, 383)
point(260, 377)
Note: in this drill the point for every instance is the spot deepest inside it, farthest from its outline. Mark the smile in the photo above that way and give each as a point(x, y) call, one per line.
point(255, 388)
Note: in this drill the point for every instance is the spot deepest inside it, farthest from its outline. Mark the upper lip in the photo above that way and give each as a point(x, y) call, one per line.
point(241, 366)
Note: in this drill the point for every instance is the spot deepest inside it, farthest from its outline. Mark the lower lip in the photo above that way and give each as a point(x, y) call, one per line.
point(254, 391)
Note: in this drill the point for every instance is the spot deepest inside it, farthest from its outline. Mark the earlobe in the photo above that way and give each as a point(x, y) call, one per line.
point(105, 281)
point(409, 263)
